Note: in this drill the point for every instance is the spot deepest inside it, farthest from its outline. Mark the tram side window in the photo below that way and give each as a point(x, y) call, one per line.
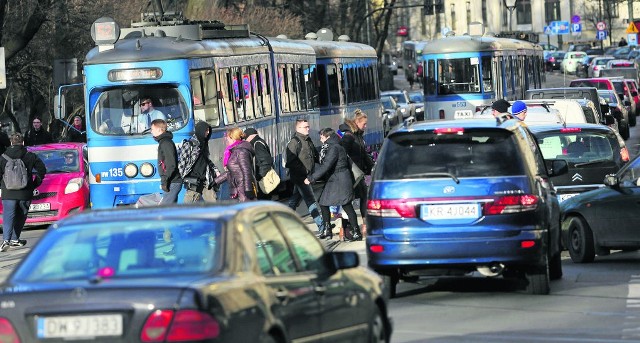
point(264, 84)
point(430, 87)
point(258, 105)
point(334, 84)
point(359, 73)
point(247, 90)
point(205, 99)
point(311, 85)
point(342, 93)
point(284, 88)
point(293, 88)
point(227, 106)
point(302, 90)
point(323, 85)
point(509, 77)
point(486, 74)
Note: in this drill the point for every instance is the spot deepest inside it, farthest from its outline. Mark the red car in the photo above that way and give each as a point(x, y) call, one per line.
point(65, 188)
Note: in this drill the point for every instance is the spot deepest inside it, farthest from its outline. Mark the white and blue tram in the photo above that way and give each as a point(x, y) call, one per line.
point(223, 75)
point(411, 56)
point(463, 74)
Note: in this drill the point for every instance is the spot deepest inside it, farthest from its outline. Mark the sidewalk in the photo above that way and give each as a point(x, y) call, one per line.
point(335, 243)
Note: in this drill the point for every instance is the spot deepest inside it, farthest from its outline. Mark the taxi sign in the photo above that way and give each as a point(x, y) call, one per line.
point(632, 28)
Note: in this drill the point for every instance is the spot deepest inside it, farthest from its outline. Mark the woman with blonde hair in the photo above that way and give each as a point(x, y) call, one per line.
point(238, 165)
point(353, 143)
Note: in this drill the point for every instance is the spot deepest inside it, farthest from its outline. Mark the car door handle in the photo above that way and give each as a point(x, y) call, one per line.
point(320, 289)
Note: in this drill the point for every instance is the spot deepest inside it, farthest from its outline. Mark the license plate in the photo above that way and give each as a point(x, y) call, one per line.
point(463, 114)
point(450, 211)
point(80, 326)
point(563, 197)
point(45, 206)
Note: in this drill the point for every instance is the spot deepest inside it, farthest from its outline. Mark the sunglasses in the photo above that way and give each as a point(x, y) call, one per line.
point(37, 122)
point(145, 103)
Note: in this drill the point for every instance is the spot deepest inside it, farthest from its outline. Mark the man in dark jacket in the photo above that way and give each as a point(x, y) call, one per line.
point(301, 159)
point(16, 203)
point(203, 172)
point(37, 134)
point(170, 180)
point(263, 159)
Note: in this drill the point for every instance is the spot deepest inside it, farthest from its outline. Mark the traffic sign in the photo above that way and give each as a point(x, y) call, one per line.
point(576, 27)
point(632, 28)
point(560, 27)
point(548, 31)
point(601, 35)
point(575, 19)
point(601, 26)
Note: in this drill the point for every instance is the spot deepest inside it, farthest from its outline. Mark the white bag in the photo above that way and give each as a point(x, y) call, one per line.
point(269, 182)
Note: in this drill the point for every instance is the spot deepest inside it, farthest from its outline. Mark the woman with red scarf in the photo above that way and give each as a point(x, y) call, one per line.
point(238, 163)
point(77, 133)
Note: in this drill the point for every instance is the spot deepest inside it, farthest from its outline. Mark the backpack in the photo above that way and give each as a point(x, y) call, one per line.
point(15, 174)
point(187, 156)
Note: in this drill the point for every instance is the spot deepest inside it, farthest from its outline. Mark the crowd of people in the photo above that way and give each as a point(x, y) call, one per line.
point(247, 160)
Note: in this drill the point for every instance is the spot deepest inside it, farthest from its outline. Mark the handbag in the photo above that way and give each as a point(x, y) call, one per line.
point(357, 173)
point(269, 182)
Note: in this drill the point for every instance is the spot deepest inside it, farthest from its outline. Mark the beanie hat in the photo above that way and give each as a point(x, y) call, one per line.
point(518, 107)
point(250, 131)
point(501, 105)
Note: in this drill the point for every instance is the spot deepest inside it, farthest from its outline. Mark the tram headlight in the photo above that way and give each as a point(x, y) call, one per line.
point(131, 170)
point(147, 169)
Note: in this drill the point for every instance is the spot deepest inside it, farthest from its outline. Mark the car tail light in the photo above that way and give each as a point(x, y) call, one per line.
point(7, 333)
point(596, 68)
point(448, 131)
point(376, 248)
point(551, 59)
point(511, 204)
point(394, 208)
point(179, 326)
point(570, 130)
point(624, 154)
point(527, 244)
point(441, 114)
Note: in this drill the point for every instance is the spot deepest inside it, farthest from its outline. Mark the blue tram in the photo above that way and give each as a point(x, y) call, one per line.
point(194, 71)
point(465, 73)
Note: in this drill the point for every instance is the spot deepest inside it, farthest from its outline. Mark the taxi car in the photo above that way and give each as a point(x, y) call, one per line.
point(224, 272)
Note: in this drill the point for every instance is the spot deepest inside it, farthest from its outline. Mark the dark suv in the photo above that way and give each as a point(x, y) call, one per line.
point(453, 197)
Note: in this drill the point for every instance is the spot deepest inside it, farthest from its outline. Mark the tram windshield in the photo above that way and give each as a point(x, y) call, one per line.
point(130, 110)
point(459, 76)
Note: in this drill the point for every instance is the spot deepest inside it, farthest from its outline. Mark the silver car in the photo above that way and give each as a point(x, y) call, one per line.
point(402, 98)
point(598, 64)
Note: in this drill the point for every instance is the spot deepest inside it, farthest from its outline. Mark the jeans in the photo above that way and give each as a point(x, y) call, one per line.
point(301, 191)
point(171, 197)
point(14, 216)
point(193, 196)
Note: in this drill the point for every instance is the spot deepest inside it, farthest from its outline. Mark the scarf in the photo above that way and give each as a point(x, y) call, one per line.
point(323, 151)
point(227, 152)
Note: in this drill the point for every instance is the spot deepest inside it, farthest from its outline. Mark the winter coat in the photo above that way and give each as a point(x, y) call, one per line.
point(199, 170)
point(263, 161)
point(339, 187)
point(73, 135)
point(355, 146)
point(31, 162)
point(33, 137)
point(240, 172)
point(301, 157)
point(167, 160)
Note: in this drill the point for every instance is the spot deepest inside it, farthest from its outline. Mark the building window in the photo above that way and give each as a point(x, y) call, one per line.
point(551, 10)
point(523, 11)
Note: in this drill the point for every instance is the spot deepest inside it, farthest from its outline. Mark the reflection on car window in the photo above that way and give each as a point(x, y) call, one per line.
point(579, 148)
point(60, 161)
point(124, 249)
point(272, 251)
point(631, 175)
point(120, 111)
point(305, 246)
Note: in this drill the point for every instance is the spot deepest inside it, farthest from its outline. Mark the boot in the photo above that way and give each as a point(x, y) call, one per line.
point(356, 234)
point(327, 231)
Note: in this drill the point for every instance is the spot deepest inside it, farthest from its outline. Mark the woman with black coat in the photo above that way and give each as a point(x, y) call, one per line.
point(338, 189)
point(238, 163)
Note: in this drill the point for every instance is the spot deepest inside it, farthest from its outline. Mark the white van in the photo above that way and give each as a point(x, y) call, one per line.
point(568, 111)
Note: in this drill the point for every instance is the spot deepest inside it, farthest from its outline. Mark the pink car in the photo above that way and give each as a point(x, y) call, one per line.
point(65, 188)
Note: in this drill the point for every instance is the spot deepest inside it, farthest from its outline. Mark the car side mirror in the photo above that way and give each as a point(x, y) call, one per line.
point(611, 180)
point(344, 259)
point(557, 167)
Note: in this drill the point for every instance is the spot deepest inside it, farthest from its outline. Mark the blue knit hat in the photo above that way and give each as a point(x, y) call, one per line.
point(518, 107)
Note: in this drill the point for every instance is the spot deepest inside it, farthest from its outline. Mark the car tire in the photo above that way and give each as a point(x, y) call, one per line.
point(377, 328)
point(580, 241)
point(538, 279)
point(390, 282)
point(632, 120)
point(555, 267)
point(624, 132)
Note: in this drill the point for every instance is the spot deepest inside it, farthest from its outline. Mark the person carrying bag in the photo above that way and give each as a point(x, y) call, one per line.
point(268, 179)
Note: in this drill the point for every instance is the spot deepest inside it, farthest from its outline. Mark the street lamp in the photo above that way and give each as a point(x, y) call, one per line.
point(511, 5)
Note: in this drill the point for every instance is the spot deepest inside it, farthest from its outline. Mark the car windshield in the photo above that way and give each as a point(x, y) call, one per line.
point(130, 110)
point(416, 97)
point(387, 103)
point(400, 98)
point(60, 161)
point(608, 96)
point(580, 146)
point(603, 61)
point(475, 153)
point(123, 249)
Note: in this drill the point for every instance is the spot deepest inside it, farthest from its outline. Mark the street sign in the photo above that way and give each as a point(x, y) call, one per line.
point(632, 28)
point(560, 27)
point(576, 27)
point(601, 26)
point(601, 35)
point(575, 19)
point(632, 39)
point(548, 31)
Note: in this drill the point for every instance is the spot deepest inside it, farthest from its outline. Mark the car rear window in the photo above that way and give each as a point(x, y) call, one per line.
point(599, 84)
point(475, 153)
point(579, 147)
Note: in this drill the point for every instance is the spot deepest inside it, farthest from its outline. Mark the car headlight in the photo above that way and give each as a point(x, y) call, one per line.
point(73, 185)
point(403, 110)
point(147, 169)
point(131, 170)
point(419, 109)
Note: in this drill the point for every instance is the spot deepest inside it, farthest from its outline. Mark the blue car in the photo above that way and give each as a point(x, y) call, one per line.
point(453, 197)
